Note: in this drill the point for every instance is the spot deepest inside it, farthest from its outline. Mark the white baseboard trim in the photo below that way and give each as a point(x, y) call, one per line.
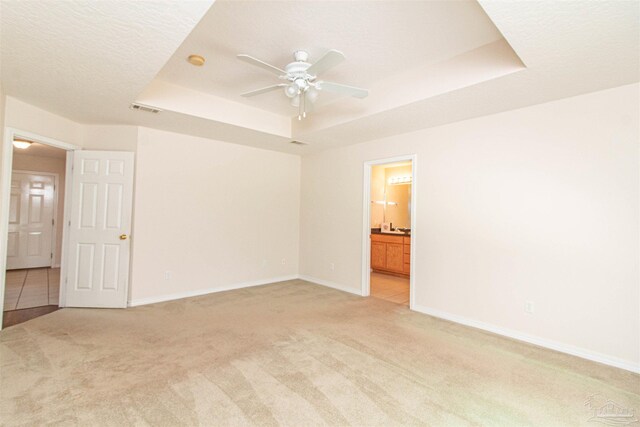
point(531, 339)
point(199, 292)
point(330, 284)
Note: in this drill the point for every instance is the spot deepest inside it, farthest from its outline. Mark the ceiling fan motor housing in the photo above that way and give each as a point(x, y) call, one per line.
point(297, 70)
point(297, 74)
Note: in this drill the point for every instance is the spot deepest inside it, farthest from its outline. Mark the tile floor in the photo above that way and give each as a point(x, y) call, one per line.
point(390, 288)
point(33, 287)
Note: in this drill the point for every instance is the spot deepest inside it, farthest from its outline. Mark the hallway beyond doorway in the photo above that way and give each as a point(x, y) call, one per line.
point(30, 293)
point(31, 287)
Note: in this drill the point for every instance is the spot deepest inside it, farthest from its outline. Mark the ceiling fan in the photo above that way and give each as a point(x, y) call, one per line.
point(302, 85)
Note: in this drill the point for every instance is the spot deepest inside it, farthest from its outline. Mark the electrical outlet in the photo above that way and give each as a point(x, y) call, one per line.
point(529, 307)
point(264, 262)
point(167, 275)
point(284, 261)
point(332, 266)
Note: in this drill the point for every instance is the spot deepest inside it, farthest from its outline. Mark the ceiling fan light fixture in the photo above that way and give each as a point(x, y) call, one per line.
point(312, 95)
point(291, 90)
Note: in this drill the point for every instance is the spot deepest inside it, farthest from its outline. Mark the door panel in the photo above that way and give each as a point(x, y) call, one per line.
point(98, 270)
point(34, 244)
point(395, 260)
point(378, 255)
point(14, 207)
point(31, 212)
point(12, 244)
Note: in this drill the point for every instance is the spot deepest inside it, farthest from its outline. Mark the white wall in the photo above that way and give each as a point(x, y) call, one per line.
point(211, 213)
point(26, 117)
point(237, 212)
point(536, 204)
point(110, 137)
point(53, 165)
point(3, 99)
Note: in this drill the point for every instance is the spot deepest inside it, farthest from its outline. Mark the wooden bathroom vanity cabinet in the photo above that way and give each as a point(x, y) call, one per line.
point(391, 253)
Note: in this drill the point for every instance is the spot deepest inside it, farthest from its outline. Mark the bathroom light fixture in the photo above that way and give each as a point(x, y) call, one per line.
point(23, 144)
point(400, 180)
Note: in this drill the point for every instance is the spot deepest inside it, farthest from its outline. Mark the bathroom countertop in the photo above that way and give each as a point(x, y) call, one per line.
point(377, 231)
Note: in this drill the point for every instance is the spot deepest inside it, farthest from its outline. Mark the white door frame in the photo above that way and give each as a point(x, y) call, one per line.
point(366, 224)
point(56, 183)
point(5, 193)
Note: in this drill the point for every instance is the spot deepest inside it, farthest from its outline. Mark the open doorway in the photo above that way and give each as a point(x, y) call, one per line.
point(93, 238)
point(35, 229)
point(389, 228)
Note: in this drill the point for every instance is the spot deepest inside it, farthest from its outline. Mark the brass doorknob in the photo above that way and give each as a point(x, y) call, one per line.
point(123, 237)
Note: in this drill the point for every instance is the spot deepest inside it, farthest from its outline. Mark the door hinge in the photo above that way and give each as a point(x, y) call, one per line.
point(53, 221)
point(51, 255)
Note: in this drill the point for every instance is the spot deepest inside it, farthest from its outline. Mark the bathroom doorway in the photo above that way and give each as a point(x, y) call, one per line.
point(389, 219)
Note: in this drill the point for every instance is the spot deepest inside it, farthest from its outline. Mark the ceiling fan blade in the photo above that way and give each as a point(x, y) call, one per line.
point(343, 89)
point(254, 61)
point(329, 60)
point(263, 90)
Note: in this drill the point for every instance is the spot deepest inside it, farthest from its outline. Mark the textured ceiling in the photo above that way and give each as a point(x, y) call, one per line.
point(88, 60)
point(379, 38)
point(569, 48)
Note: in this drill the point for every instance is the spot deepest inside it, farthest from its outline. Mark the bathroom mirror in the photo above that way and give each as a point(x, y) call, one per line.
point(391, 195)
point(398, 207)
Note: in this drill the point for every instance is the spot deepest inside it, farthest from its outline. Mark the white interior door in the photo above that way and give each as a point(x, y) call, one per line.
point(100, 224)
point(30, 221)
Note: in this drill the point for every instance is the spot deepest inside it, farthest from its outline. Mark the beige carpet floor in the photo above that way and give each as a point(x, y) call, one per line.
point(290, 353)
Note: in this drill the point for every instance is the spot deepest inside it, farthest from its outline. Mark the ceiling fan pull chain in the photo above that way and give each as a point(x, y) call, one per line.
point(304, 104)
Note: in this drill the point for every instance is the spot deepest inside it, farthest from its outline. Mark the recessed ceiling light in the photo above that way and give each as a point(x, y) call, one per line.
point(22, 143)
point(196, 60)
